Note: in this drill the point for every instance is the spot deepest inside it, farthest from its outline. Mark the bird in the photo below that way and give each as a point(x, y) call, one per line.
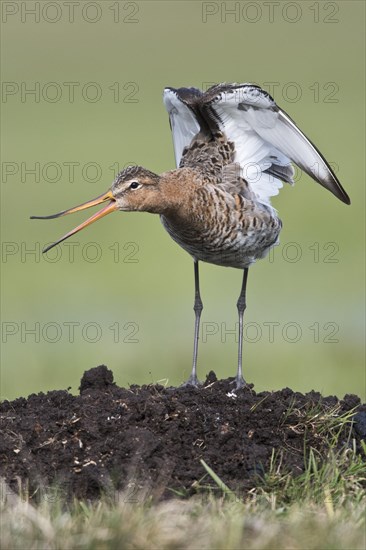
point(234, 148)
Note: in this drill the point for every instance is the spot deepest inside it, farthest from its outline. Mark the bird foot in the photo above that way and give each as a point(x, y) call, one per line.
point(192, 381)
point(240, 383)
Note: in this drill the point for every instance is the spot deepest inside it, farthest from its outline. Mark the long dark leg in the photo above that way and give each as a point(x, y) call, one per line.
point(241, 305)
point(198, 307)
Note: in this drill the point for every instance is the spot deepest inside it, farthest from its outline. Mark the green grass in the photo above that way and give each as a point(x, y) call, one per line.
point(210, 522)
point(324, 507)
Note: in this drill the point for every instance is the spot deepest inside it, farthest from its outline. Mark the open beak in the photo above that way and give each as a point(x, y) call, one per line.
point(111, 207)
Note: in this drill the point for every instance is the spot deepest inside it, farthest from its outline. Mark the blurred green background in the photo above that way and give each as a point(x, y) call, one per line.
point(126, 300)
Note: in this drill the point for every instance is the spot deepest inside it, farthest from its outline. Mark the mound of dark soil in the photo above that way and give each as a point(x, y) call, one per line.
point(149, 440)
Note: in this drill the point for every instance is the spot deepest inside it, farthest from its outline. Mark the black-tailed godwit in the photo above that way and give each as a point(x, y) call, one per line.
point(233, 148)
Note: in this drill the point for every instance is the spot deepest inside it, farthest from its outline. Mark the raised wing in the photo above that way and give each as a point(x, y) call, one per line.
point(183, 123)
point(266, 139)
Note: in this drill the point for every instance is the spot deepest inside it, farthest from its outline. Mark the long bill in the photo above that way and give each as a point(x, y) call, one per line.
point(111, 207)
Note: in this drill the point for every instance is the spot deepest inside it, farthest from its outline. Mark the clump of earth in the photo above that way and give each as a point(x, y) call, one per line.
point(148, 441)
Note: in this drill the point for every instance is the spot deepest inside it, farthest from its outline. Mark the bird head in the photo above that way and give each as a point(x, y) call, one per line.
point(135, 188)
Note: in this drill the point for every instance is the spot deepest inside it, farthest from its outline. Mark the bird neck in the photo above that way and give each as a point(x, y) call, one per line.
point(177, 189)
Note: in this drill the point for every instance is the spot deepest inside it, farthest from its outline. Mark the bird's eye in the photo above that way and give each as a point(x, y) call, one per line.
point(134, 185)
